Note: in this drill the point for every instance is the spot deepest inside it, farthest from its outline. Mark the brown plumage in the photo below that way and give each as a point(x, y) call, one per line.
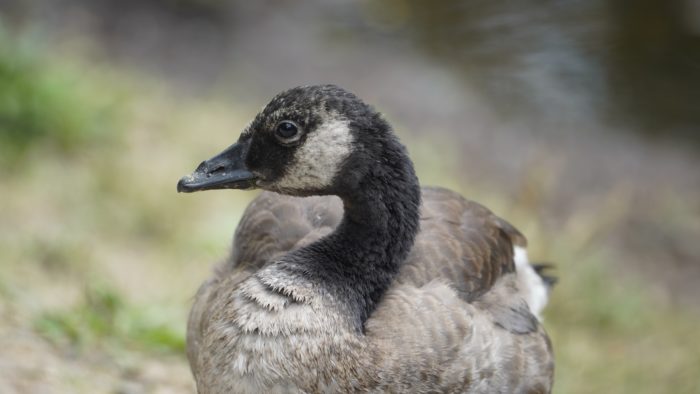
point(453, 318)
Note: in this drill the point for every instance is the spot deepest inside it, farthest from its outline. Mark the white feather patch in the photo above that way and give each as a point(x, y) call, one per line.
point(531, 285)
point(318, 160)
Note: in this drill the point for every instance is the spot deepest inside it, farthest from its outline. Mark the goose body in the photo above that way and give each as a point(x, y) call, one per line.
point(346, 276)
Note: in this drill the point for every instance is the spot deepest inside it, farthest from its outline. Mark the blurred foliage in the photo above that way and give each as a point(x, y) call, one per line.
point(104, 317)
point(611, 335)
point(43, 103)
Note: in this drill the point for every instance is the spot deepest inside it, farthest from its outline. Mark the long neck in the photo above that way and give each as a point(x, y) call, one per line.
point(357, 263)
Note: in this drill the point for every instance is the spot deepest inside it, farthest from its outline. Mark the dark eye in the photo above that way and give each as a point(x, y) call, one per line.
point(287, 131)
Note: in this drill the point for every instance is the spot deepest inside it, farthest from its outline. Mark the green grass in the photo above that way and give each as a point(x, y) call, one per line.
point(109, 255)
point(105, 318)
point(48, 103)
point(612, 335)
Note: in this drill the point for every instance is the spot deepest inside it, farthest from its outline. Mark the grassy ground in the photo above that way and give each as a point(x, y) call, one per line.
point(100, 257)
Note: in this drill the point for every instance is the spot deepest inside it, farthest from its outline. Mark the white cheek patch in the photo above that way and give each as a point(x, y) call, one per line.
point(319, 159)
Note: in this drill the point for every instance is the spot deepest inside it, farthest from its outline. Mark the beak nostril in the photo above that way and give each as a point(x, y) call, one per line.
point(216, 170)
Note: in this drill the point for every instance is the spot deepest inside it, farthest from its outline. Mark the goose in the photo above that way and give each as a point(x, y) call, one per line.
point(346, 276)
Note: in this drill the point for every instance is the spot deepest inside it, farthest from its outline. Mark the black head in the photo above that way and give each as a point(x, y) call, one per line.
point(308, 140)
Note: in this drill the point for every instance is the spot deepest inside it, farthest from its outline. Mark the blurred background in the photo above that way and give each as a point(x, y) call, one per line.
point(578, 121)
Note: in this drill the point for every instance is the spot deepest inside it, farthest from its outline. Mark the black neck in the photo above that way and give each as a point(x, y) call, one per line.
point(357, 263)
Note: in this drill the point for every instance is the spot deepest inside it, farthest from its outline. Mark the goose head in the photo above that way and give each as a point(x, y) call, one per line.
point(323, 140)
point(310, 140)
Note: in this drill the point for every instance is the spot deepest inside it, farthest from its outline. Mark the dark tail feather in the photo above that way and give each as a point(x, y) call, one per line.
point(541, 269)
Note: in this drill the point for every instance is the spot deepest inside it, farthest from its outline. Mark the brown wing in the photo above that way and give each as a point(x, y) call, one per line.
point(274, 224)
point(461, 242)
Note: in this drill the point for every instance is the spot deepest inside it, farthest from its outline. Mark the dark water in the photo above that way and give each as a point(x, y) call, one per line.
point(636, 63)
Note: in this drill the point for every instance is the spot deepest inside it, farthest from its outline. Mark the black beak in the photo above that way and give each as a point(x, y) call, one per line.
point(226, 170)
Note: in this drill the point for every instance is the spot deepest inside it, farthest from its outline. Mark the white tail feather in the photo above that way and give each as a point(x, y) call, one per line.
point(532, 287)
